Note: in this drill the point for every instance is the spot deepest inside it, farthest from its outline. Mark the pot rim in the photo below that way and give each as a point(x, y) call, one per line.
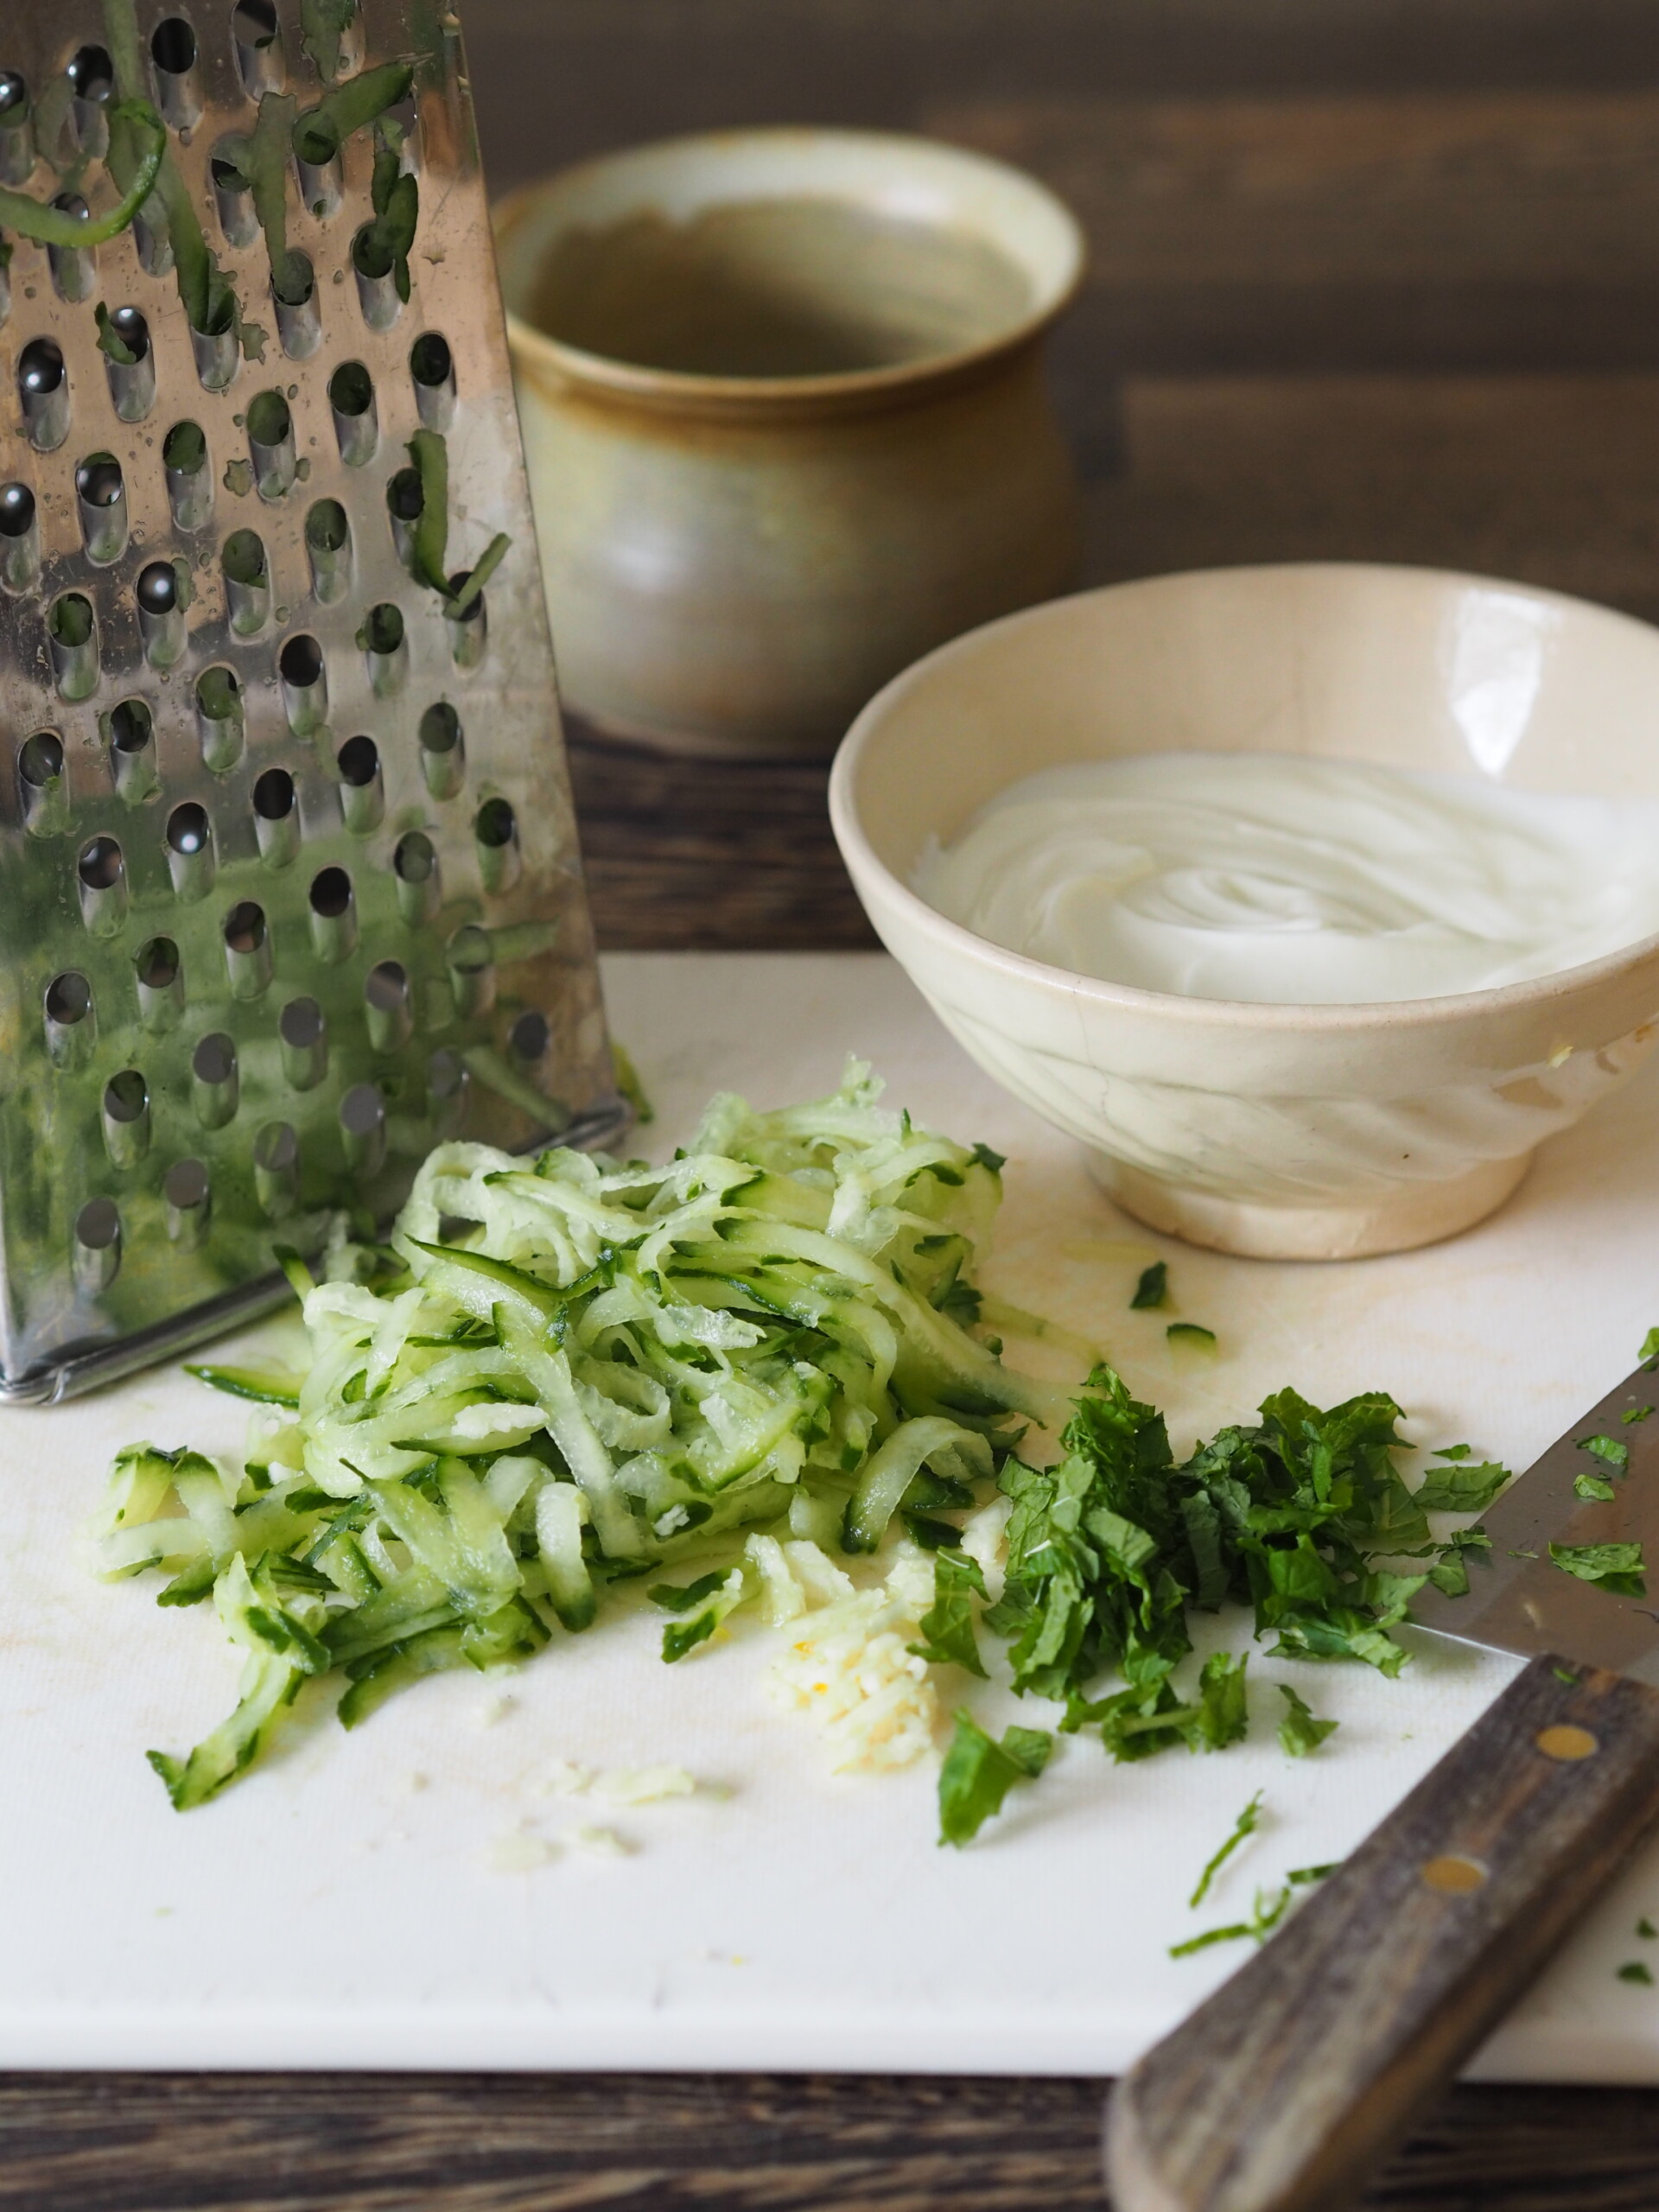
point(842, 389)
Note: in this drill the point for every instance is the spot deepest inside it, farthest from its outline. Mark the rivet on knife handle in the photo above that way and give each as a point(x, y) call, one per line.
point(1285, 2087)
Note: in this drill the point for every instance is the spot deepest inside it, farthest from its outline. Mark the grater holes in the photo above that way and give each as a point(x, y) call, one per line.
point(271, 443)
point(414, 864)
point(405, 501)
point(130, 729)
point(220, 719)
point(495, 831)
point(158, 972)
point(432, 372)
point(129, 362)
point(468, 631)
point(446, 1086)
point(383, 637)
point(328, 548)
point(16, 129)
point(97, 1245)
point(334, 914)
point(247, 950)
point(277, 1168)
point(305, 684)
point(188, 1196)
point(126, 1117)
point(72, 638)
point(71, 1023)
point(375, 264)
point(444, 751)
point(363, 1128)
point(529, 1038)
point(91, 85)
point(162, 593)
point(388, 1006)
point(471, 969)
point(173, 51)
point(316, 157)
point(276, 817)
point(42, 787)
point(258, 39)
point(20, 539)
point(101, 870)
point(302, 1033)
point(362, 792)
point(91, 76)
point(215, 1080)
point(294, 295)
point(44, 389)
point(189, 480)
point(101, 499)
point(74, 268)
point(233, 199)
point(190, 850)
point(247, 582)
point(357, 426)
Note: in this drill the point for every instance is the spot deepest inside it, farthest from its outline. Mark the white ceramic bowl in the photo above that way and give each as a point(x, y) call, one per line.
point(1301, 1132)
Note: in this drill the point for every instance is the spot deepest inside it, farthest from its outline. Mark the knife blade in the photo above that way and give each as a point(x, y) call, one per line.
point(1519, 1599)
point(1285, 2087)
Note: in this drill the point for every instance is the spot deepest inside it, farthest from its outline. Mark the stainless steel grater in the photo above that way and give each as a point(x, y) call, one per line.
point(289, 888)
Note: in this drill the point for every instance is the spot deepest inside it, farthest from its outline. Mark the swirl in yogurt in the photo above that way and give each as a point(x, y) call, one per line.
point(1285, 879)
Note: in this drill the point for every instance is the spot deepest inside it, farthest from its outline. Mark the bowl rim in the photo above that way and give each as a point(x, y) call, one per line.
point(639, 381)
point(1533, 993)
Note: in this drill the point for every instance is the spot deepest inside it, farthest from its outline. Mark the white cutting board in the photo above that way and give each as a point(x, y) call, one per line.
point(327, 1912)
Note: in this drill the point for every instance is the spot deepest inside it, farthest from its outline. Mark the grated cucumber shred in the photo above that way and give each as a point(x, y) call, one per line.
point(569, 1371)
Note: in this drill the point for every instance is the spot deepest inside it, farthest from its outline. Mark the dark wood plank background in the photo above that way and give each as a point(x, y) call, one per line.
point(1371, 279)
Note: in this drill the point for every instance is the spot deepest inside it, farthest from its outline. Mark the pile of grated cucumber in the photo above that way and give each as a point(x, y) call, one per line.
point(566, 1372)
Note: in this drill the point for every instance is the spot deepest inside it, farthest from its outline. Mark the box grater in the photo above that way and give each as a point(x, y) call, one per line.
point(291, 889)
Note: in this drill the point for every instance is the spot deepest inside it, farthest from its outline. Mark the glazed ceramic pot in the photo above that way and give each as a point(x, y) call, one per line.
point(786, 419)
point(1290, 1132)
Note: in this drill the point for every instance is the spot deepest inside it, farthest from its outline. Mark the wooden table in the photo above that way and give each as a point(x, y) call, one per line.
point(1372, 279)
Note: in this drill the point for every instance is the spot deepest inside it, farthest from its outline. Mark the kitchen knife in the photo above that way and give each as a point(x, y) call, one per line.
point(1284, 2088)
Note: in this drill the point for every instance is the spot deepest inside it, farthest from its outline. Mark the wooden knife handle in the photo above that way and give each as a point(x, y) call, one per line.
point(1283, 2088)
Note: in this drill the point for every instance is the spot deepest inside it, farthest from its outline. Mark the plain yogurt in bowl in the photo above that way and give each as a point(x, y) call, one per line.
point(1283, 879)
point(1310, 899)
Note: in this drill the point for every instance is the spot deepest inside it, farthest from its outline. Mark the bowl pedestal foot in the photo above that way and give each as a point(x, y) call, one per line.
point(1413, 1214)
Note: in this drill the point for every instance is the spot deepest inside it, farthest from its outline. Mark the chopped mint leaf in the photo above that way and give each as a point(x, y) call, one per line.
point(1461, 1488)
point(1649, 1354)
point(1245, 1825)
point(1269, 1909)
point(1609, 1448)
point(1637, 1970)
point(1593, 1488)
point(1299, 1732)
point(1644, 1926)
point(978, 1774)
point(1152, 1289)
point(1565, 1675)
point(1635, 1413)
point(1615, 1567)
point(1190, 1332)
point(947, 1627)
point(1450, 1451)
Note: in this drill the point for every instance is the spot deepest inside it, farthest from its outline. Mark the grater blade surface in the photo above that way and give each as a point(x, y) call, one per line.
point(290, 886)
